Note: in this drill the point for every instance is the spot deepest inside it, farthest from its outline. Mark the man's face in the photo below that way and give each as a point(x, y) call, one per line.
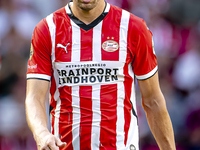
point(86, 4)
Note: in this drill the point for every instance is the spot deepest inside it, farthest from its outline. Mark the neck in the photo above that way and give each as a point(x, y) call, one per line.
point(88, 16)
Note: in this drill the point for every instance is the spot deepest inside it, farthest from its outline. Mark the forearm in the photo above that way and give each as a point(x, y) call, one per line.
point(36, 115)
point(160, 124)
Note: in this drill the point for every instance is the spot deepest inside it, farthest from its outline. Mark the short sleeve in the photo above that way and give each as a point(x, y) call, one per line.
point(145, 61)
point(39, 63)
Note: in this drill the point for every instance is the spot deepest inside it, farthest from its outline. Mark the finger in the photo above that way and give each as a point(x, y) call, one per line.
point(59, 143)
point(52, 146)
point(38, 146)
point(45, 148)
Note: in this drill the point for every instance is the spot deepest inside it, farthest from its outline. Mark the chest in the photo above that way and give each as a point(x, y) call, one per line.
point(99, 44)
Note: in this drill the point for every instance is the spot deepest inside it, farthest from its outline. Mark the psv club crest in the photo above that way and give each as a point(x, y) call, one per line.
point(110, 46)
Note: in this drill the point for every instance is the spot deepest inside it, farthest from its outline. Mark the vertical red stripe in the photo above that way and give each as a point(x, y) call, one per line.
point(53, 90)
point(86, 116)
point(110, 30)
point(86, 45)
point(66, 118)
point(64, 38)
point(52, 122)
point(53, 102)
point(108, 117)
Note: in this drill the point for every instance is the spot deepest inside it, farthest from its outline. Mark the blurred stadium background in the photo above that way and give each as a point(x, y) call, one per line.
point(176, 28)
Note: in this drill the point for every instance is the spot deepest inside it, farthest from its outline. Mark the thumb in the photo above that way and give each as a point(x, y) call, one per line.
point(59, 143)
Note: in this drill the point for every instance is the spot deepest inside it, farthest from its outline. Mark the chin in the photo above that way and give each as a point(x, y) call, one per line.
point(87, 6)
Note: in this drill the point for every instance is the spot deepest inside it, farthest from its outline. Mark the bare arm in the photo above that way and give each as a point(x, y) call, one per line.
point(158, 118)
point(36, 115)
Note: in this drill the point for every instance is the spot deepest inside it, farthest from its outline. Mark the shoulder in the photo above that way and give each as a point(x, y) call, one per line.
point(43, 25)
point(41, 31)
point(60, 12)
point(56, 14)
point(135, 23)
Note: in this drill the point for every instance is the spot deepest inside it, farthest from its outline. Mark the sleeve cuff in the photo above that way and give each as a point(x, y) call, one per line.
point(38, 76)
point(148, 75)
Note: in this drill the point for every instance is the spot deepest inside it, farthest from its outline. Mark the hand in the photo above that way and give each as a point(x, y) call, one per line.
point(48, 141)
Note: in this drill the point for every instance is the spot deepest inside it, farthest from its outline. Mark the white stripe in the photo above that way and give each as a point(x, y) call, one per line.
point(120, 115)
point(56, 76)
point(148, 75)
point(75, 89)
point(96, 117)
point(123, 36)
point(68, 11)
point(76, 117)
point(38, 76)
point(130, 71)
point(76, 40)
point(58, 105)
point(97, 42)
point(133, 134)
point(107, 8)
point(153, 47)
point(120, 92)
point(52, 29)
point(75, 58)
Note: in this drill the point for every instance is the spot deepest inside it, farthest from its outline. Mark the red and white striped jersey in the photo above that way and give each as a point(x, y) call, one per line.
point(92, 76)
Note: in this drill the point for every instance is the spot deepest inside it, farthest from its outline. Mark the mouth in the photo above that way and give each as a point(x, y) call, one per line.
point(86, 1)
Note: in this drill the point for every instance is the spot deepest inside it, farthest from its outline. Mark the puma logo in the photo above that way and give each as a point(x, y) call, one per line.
point(62, 46)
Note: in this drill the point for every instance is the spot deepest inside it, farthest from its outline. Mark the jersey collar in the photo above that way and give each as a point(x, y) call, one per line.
point(82, 24)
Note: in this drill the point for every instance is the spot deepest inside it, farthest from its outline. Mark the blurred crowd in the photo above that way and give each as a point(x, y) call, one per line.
point(175, 25)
